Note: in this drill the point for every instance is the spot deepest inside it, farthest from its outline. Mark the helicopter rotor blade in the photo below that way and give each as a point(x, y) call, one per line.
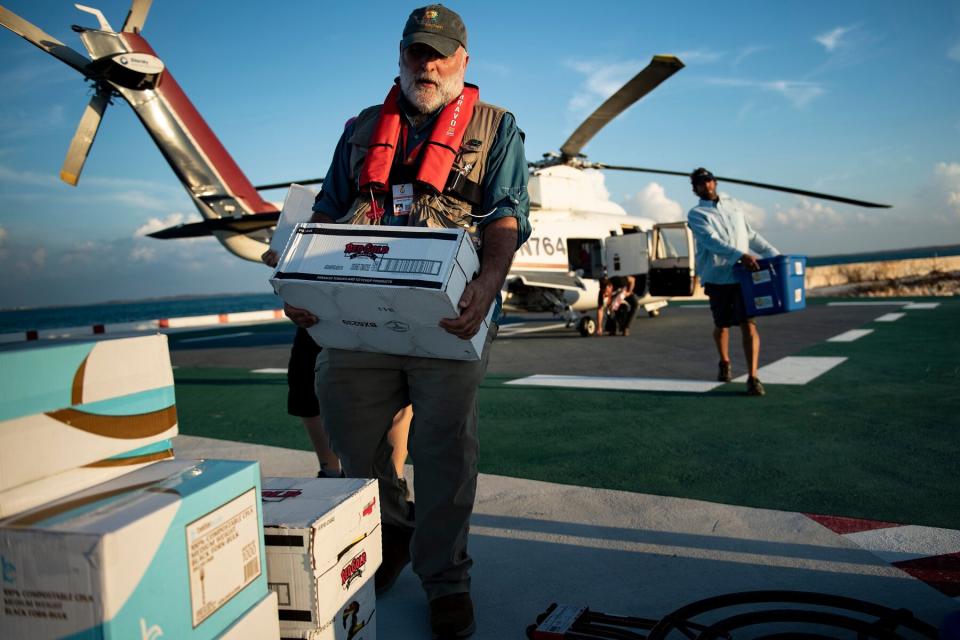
point(750, 183)
point(659, 69)
point(136, 16)
point(284, 185)
point(83, 138)
point(40, 38)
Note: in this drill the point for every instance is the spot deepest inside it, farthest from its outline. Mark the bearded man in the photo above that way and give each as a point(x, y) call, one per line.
point(431, 155)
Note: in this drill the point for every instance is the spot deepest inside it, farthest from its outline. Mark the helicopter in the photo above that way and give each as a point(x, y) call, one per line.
point(579, 234)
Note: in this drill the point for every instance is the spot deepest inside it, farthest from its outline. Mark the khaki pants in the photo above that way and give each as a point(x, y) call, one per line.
point(359, 394)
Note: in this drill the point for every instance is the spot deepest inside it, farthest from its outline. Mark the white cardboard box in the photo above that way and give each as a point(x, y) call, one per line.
point(323, 545)
point(174, 549)
point(69, 405)
point(380, 288)
point(297, 207)
point(356, 620)
point(259, 623)
point(33, 494)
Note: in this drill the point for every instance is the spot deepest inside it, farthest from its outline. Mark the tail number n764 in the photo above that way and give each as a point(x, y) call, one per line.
point(543, 246)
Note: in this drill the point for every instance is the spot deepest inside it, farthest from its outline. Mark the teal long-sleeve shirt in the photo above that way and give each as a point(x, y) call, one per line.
point(722, 236)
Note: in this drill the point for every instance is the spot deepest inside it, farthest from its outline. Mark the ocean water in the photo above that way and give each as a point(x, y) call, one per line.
point(15, 320)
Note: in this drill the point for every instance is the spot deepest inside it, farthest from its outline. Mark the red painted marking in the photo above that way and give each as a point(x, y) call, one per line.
point(940, 572)
point(33, 334)
point(842, 525)
point(278, 314)
point(224, 318)
point(233, 177)
point(99, 328)
point(163, 323)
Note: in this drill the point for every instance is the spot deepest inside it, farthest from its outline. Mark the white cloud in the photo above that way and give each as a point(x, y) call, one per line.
point(31, 178)
point(700, 55)
point(746, 52)
point(602, 81)
point(954, 52)
point(156, 224)
point(39, 256)
point(947, 185)
point(799, 93)
point(833, 38)
point(815, 215)
point(652, 202)
point(755, 214)
point(143, 254)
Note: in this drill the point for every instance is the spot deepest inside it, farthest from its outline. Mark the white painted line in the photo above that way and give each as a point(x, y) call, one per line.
point(889, 317)
point(508, 330)
point(894, 544)
point(850, 336)
point(190, 321)
point(795, 370)
point(868, 303)
point(921, 305)
point(692, 306)
point(269, 370)
point(618, 384)
point(222, 336)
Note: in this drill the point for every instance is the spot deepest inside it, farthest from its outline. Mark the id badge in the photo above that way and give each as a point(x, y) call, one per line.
point(402, 199)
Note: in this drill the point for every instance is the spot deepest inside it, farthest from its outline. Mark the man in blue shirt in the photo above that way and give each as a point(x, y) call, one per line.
point(723, 238)
point(431, 155)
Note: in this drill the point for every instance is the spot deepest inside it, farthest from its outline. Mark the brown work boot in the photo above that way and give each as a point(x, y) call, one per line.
point(452, 616)
point(724, 374)
point(755, 387)
point(396, 555)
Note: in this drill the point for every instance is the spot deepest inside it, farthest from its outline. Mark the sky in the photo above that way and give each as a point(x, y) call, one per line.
point(856, 98)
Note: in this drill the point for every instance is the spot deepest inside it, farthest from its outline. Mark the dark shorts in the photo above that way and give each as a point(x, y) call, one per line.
point(301, 393)
point(726, 304)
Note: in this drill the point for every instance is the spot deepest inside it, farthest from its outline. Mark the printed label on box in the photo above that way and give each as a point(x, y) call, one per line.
point(763, 302)
point(759, 277)
point(224, 554)
point(798, 295)
point(798, 267)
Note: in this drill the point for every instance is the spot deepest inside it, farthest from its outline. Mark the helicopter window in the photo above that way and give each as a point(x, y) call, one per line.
point(671, 243)
point(584, 254)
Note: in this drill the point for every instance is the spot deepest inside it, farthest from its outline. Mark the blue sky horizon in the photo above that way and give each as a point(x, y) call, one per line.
point(861, 99)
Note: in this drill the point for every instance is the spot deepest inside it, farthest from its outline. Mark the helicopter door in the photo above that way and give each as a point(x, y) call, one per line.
point(626, 255)
point(671, 263)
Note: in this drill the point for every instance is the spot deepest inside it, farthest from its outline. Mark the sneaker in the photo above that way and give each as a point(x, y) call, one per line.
point(323, 473)
point(452, 616)
point(396, 556)
point(755, 387)
point(724, 374)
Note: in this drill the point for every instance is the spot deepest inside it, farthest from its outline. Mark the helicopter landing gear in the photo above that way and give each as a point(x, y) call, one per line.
point(653, 313)
point(587, 326)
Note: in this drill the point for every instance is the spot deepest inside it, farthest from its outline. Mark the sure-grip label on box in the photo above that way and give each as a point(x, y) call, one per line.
point(224, 554)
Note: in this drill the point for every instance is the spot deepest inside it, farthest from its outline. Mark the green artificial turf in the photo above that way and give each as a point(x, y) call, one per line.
point(876, 437)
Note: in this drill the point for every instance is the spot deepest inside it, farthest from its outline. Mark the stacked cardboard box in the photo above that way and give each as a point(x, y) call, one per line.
point(323, 546)
point(162, 548)
point(74, 415)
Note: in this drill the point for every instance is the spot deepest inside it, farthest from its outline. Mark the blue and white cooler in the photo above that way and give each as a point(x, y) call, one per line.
point(776, 288)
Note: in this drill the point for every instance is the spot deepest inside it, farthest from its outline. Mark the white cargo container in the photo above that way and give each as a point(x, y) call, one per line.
point(323, 546)
point(174, 550)
point(69, 405)
point(381, 289)
point(258, 623)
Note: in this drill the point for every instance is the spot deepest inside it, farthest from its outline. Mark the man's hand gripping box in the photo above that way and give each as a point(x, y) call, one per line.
point(380, 288)
point(174, 550)
point(323, 546)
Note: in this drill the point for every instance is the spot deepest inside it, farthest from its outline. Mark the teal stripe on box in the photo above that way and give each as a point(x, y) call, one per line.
point(156, 447)
point(131, 405)
point(39, 379)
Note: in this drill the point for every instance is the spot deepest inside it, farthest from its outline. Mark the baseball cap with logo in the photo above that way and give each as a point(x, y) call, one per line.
point(437, 27)
point(700, 176)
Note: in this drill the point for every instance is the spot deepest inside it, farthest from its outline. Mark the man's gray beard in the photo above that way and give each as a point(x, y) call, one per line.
point(426, 105)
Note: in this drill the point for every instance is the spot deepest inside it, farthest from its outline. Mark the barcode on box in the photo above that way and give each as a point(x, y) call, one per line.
point(402, 265)
point(251, 569)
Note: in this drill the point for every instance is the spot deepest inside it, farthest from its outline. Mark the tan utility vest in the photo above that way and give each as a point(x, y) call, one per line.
point(463, 195)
